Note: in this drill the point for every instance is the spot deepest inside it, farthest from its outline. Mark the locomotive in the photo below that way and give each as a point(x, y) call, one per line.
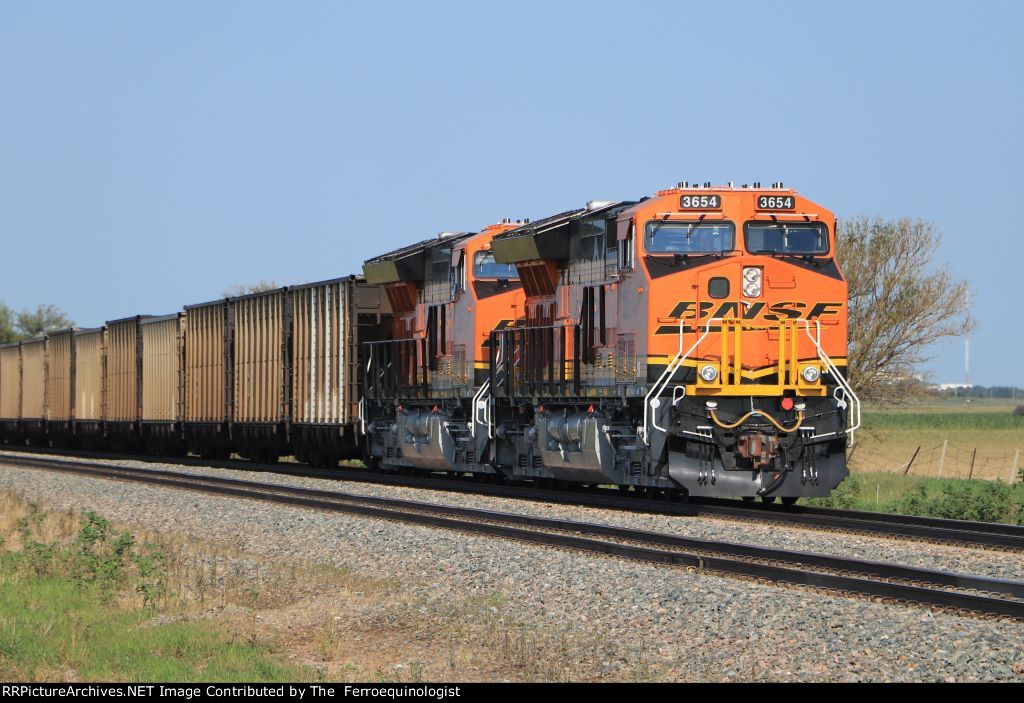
point(691, 342)
point(688, 343)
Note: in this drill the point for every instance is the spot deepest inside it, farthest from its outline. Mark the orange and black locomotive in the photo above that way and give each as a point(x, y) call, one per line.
point(691, 342)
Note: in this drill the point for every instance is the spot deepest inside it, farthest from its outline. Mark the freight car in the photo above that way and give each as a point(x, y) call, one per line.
point(262, 375)
point(688, 343)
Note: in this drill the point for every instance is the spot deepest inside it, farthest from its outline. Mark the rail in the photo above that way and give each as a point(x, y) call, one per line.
point(537, 361)
point(396, 368)
point(652, 400)
point(962, 592)
point(843, 387)
point(933, 530)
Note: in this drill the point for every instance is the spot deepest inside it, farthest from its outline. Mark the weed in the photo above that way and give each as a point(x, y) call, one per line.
point(100, 555)
point(844, 496)
point(151, 565)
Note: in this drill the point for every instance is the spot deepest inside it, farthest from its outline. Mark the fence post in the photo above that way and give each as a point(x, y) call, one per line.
point(911, 462)
point(942, 458)
point(1016, 463)
point(970, 471)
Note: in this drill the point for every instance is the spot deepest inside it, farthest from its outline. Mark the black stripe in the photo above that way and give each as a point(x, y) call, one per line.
point(487, 289)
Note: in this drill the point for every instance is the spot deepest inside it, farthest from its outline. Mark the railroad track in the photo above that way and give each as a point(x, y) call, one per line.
point(964, 533)
point(948, 591)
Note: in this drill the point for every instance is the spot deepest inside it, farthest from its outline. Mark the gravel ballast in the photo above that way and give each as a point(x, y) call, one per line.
point(900, 551)
point(651, 622)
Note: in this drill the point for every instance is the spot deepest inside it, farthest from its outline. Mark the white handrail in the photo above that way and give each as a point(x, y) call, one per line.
point(485, 388)
point(854, 416)
point(666, 378)
point(476, 410)
point(362, 400)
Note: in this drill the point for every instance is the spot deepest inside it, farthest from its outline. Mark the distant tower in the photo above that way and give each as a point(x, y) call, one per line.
point(967, 343)
point(967, 361)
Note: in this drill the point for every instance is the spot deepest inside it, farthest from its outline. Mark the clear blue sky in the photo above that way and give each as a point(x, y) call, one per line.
point(153, 154)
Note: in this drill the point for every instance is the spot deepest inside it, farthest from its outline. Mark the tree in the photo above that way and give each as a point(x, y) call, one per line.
point(7, 331)
point(900, 303)
point(45, 318)
point(240, 289)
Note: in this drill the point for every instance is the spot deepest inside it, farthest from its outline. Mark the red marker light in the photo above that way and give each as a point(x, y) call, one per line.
point(541, 410)
point(590, 410)
point(435, 408)
point(787, 404)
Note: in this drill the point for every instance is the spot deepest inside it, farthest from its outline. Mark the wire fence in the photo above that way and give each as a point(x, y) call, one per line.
point(944, 461)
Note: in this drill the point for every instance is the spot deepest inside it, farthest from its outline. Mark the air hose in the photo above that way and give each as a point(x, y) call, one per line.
point(734, 425)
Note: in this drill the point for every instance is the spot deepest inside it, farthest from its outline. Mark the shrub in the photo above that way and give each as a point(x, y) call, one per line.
point(843, 496)
point(1019, 411)
point(100, 555)
point(991, 501)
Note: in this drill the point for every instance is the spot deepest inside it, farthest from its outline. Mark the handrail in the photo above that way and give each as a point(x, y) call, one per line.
point(537, 360)
point(854, 419)
point(484, 390)
point(666, 378)
point(476, 409)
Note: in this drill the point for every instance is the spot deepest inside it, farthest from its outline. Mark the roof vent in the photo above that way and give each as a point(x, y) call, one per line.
point(598, 204)
point(445, 235)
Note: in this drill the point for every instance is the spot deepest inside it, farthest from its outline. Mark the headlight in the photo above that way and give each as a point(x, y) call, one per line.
point(811, 374)
point(709, 373)
point(752, 282)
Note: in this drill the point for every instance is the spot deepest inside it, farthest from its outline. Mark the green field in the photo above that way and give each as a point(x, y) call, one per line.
point(945, 438)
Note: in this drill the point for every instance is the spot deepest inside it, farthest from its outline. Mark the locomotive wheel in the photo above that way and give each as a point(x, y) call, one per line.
point(790, 500)
point(748, 499)
point(768, 499)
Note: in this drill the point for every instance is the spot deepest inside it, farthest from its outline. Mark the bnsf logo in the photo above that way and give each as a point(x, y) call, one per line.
point(691, 310)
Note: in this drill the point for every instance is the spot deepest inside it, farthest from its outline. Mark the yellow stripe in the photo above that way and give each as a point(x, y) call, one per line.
point(657, 359)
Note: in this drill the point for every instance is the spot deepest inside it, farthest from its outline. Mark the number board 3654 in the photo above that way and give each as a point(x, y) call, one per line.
point(700, 202)
point(776, 202)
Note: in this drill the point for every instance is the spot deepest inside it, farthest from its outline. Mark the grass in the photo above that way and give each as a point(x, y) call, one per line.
point(54, 629)
point(948, 436)
point(79, 600)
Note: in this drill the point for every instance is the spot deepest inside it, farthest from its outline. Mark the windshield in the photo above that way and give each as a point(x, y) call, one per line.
point(786, 238)
point(690, 237)
point(484, 266)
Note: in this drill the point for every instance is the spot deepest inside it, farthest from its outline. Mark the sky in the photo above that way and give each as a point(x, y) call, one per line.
point(154, 154)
